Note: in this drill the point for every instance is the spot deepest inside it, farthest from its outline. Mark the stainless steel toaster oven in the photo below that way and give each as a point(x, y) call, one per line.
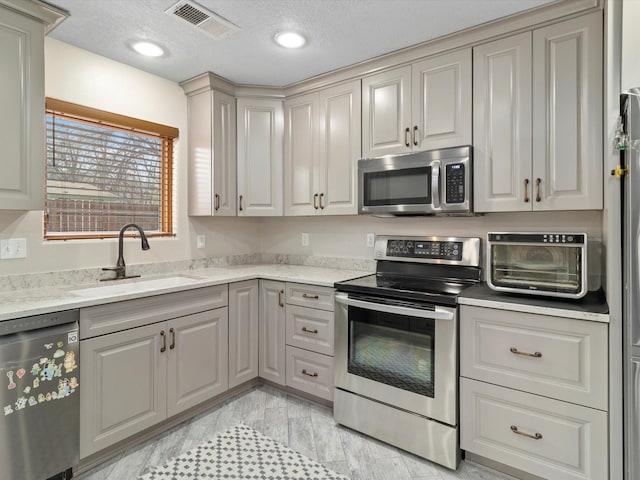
point(548, 264)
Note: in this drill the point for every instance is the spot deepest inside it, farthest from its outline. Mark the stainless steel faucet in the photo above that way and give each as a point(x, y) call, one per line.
point(120, 268)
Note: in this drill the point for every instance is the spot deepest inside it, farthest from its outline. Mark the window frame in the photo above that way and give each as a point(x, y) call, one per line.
point(102, 118)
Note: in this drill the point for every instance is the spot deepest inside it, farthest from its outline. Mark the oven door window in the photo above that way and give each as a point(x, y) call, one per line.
point(406, 186)
point(397, 350)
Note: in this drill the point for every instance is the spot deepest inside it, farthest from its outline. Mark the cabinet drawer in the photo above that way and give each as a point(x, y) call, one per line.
point(556, 357)
point(310, 328)
point(117, 316)
point(310, 372)
point(310, 296)
point(502, 424)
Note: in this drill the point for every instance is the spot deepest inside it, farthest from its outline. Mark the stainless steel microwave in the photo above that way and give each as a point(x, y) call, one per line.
point(421, 183)
point(548, 264)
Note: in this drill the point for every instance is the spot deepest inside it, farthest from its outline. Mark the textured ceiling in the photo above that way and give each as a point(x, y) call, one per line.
point(339, 33)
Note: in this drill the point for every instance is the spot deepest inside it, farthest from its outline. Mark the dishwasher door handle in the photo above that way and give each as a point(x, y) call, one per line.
point(438, 313)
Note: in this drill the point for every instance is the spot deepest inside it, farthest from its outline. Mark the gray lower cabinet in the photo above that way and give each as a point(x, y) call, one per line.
point(243, 332)
point(134, 378)
point(272, 331)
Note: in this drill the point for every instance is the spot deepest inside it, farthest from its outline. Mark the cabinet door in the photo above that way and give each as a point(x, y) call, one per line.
point(243, 332)
point(123, 378)
point(300, 155)
point(212, 154)
point(272, 331)
point(197, 359)
point(224, 154)
point(502, 125)
point(441, 101)
point(567, 115)
point(22, 121)
point(386, 112)
point(340, 147)
point(260, 157)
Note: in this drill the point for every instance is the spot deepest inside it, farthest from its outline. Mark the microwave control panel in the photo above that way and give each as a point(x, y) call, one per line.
point(443, 250)
point(454, 189)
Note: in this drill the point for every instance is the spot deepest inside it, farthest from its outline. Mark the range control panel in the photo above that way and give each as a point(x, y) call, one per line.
point(424, 249)
point(438, 250)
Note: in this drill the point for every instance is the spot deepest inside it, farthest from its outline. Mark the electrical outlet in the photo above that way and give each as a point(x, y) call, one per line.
point(201, 241)
point(13, 248)
point(305, 239)
point(371, 239)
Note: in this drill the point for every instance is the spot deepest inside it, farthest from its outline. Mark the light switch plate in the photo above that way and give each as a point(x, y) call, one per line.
point(201, 241)
point(13, 248)
point(305, 239)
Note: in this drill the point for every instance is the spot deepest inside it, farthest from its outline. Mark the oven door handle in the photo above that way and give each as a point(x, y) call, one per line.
point(438, 314)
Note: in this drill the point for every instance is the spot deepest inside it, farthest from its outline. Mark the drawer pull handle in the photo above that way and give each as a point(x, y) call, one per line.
point(315, 201)
point(280, 302)
point(538, 198)
point(314, 374)
point(407, 131)
point(526, 354)
point(313, 297)
point(526, 190)
point(306, 330)
point(535, 436)
point(172, 331)
point(217, 202)
point(164, 342)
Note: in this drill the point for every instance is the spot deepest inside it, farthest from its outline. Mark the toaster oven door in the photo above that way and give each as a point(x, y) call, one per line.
point(538, 269)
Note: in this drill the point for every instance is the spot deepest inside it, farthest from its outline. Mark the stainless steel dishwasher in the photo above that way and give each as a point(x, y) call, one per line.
point(39, 395)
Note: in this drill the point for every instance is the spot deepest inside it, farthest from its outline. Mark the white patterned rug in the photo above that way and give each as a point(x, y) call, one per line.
point(241, 453)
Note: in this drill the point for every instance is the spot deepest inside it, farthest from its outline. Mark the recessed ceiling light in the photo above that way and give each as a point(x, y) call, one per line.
point(148, 49)
point(290, 39)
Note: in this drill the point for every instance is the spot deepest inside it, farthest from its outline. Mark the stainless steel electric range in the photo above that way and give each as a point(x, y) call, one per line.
point(396, 339)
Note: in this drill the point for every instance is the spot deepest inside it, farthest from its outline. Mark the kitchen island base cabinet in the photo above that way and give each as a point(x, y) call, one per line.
point(243, 332)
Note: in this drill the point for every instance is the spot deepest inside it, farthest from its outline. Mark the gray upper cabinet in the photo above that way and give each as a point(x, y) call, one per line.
point(22, 129)
point(422, 106)
point(322, 146)
point(538, 119)
point(260, 156)
point(212, 153)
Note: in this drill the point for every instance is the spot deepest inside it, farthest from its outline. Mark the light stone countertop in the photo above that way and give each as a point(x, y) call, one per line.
point(36, 301)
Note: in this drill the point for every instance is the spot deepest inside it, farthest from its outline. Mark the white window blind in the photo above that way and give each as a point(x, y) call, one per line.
point(101, 175)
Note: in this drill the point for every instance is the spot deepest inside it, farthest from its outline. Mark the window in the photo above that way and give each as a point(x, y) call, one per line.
point(105, 170)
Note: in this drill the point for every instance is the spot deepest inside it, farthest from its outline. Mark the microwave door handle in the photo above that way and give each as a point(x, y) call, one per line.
point(438, 314)
point(435, 184)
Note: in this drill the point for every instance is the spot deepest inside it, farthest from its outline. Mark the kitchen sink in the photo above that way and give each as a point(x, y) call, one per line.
point(136, 286)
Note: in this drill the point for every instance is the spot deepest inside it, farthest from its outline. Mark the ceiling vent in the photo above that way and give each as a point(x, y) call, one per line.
point(202, 19)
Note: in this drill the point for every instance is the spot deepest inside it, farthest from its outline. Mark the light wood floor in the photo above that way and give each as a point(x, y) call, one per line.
point(304, 426)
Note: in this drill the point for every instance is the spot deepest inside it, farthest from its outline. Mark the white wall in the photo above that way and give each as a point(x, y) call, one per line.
point(77, 76)
point(346, 236)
